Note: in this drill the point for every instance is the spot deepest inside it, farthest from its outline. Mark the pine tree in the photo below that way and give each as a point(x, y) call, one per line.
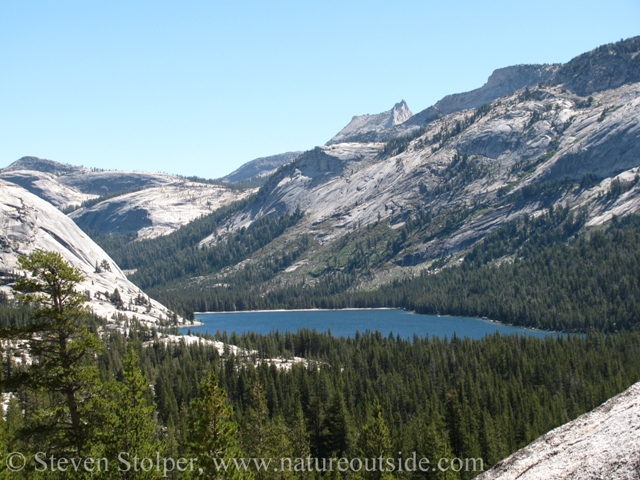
point(132, 430)
point(335, 435)
point(212, 432)
point(375, 443)
point(300, 439)
point(61, 377)
point(266, 438)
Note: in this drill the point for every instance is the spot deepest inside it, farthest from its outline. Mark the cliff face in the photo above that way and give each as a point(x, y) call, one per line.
point(601, 444)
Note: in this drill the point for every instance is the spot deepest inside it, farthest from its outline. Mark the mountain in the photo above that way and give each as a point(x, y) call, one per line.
point(118, 201)
point(364, 127)
point(399, 121)
point(603, 443)
point(489, 162)
point(30, 223)
point(155, 211)
point(258, 170)
point(607, 67)
point(67, 186)
point(375, 212)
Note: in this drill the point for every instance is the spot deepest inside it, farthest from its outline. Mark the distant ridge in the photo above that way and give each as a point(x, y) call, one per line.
point(41, 165)
point(260, 167)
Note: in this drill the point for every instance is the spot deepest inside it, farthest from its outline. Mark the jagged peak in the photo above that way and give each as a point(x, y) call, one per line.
point(362, 125)
point(400, 113)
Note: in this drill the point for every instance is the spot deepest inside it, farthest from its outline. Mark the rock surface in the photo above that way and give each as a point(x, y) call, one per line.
point(260, 167)
point(47, 186)
point(601, 444)
point(502, 81)
point(150, 204)
point(29, 223)
point(156, 211)
point(89, 181)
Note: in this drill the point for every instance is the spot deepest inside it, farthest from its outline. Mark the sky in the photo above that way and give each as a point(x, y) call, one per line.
point(201, 87)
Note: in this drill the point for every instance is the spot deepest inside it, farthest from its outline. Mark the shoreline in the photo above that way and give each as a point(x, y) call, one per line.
point(299, 310)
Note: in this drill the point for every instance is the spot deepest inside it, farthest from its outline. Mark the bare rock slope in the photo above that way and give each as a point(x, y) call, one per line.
point(29, 223)
point(601, 444)
point(260, 168)
point(87, 181)
point(156, 211)
point(47, 186)
point(150, 204)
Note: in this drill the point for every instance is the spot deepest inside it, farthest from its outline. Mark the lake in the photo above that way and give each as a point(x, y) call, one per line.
point(345, 323)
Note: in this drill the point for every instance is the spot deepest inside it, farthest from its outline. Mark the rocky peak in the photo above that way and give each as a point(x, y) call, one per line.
point(365, 127)
point(400, 113)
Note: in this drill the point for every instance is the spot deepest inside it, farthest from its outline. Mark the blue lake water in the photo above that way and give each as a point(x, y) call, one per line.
point(345, 323)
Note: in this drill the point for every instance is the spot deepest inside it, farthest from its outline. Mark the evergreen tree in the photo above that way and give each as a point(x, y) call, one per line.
point(300, 439)
point(132, 429)
point(63, 382)
point(265, 438)
point(375, 444)
point(335, 432)
point(213, 433)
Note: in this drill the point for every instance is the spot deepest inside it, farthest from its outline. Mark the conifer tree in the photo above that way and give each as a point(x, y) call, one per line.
point(300, 439)
point(60, 345)
point(335, 438)
point(375, 443)
point(212, 433)
point(266, 438)
point(131, 432)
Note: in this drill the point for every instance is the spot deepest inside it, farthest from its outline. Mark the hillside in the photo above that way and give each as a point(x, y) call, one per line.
point(258, 170)
point(156, 211)
point(29, 223)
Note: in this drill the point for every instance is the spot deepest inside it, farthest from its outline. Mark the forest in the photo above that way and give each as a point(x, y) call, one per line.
point(367, 396)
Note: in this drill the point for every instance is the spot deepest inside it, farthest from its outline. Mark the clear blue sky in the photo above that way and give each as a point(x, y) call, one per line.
point(201, 87)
